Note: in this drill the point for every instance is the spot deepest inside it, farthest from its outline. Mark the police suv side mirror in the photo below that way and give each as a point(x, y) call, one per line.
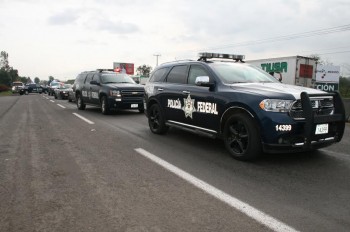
point(203, 81)
point(94, 83)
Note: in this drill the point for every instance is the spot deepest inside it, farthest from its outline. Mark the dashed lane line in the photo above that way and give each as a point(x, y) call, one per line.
point(61, 106)
point(241, 206)
point(84, 119)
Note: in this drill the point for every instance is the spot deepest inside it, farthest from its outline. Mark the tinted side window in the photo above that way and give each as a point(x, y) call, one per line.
point(178, 74)
point(196, 71)
point(81, 78)
point(158, 76)
point(89, 78)
point(95, 78)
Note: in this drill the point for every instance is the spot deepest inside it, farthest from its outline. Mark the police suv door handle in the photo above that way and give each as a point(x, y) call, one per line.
point(160, 89)
point(186, 92)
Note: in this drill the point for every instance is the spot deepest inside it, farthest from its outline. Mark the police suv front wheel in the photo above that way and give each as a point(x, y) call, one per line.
point(156, 120)
point(104, 105)
point(242, 137)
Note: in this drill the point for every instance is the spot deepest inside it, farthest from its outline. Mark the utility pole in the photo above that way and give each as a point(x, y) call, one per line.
point(157, 55)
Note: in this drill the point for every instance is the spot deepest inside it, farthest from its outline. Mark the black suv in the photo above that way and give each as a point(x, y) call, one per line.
point(243, 105)
point(32, 88)
point(109, 90)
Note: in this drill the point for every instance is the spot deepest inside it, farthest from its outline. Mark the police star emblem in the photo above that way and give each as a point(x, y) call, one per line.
point(188, 107)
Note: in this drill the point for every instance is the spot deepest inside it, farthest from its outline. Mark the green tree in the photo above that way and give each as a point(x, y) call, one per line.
point(5, 78)
point(51, 78)
point(23, 79)
point(144, 70)
point(320, 60)
point(71, 81)
point(36, 80)
point(14, 74)
point(4, 61)
point(344, 87)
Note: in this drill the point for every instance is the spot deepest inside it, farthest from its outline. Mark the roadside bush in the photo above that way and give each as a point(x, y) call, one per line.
point(4, 88)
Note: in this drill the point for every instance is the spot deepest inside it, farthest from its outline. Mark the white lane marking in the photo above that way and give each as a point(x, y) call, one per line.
point(52, 101)
point(241, 206)
point(81, 117)
point(61, 106)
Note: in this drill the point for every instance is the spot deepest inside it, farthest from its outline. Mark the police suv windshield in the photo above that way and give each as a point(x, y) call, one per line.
point(232, 73)
point(108, 78)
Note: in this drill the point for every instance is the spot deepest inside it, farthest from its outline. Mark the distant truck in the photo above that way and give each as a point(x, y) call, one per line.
point(293, 70)
point(17, 87)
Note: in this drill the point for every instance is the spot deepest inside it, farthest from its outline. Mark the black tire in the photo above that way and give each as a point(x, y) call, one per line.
point(69, 100)
point(104, 105)
point(26, 92)
point(80, 103)
point(242, 137)
point(55, 96)
point(156, 120)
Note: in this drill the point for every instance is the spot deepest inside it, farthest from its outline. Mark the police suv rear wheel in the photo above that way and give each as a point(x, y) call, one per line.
point(156, 120)
point(80, 103)
point(242, 138)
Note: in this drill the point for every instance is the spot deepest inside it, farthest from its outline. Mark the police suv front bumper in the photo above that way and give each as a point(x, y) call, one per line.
point(307, 134)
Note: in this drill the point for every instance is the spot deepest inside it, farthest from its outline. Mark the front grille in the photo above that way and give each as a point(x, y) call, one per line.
point(132, 95)
point(323, 106)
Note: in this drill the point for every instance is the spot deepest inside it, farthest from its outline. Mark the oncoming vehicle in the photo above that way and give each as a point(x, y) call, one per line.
point(17, 87)
point(32, 88)
point(109, 90)
point(222, 97)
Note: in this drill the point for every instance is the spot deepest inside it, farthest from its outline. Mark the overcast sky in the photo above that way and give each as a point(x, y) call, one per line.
point(62, 38)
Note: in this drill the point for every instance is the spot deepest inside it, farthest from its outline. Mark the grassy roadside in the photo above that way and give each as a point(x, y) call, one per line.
point(5, 93)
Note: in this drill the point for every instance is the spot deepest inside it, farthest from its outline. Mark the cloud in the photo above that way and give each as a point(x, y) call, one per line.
point(119, 27)
point(64, 18)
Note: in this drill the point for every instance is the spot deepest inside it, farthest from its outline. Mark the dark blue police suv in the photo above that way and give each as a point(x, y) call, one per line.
point(108, 90)
point(243, 105)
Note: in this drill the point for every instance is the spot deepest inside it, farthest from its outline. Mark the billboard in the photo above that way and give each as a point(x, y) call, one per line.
point(327, 78)
point(127, 68)
point(327, 73)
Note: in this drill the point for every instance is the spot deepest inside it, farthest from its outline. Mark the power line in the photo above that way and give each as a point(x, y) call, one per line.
point(333, 53)
point(282, 38)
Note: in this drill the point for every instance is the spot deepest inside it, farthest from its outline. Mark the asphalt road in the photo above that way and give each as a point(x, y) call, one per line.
point(59, 172)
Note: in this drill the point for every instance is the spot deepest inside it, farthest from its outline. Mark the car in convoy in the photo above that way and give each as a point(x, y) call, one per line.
point(52, 86)
point(108, 90)
point(45, 88)
point(32, 88)
point(71, 93)
point(61, 92)
point(220, 96)
point(17, 87)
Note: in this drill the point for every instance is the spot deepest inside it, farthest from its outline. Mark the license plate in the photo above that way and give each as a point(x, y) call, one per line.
point(134, 105)
point(321, 129)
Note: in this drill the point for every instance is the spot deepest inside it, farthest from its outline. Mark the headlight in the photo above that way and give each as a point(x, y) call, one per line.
point(276, 105)
point(13, 87)
point(115, 93)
